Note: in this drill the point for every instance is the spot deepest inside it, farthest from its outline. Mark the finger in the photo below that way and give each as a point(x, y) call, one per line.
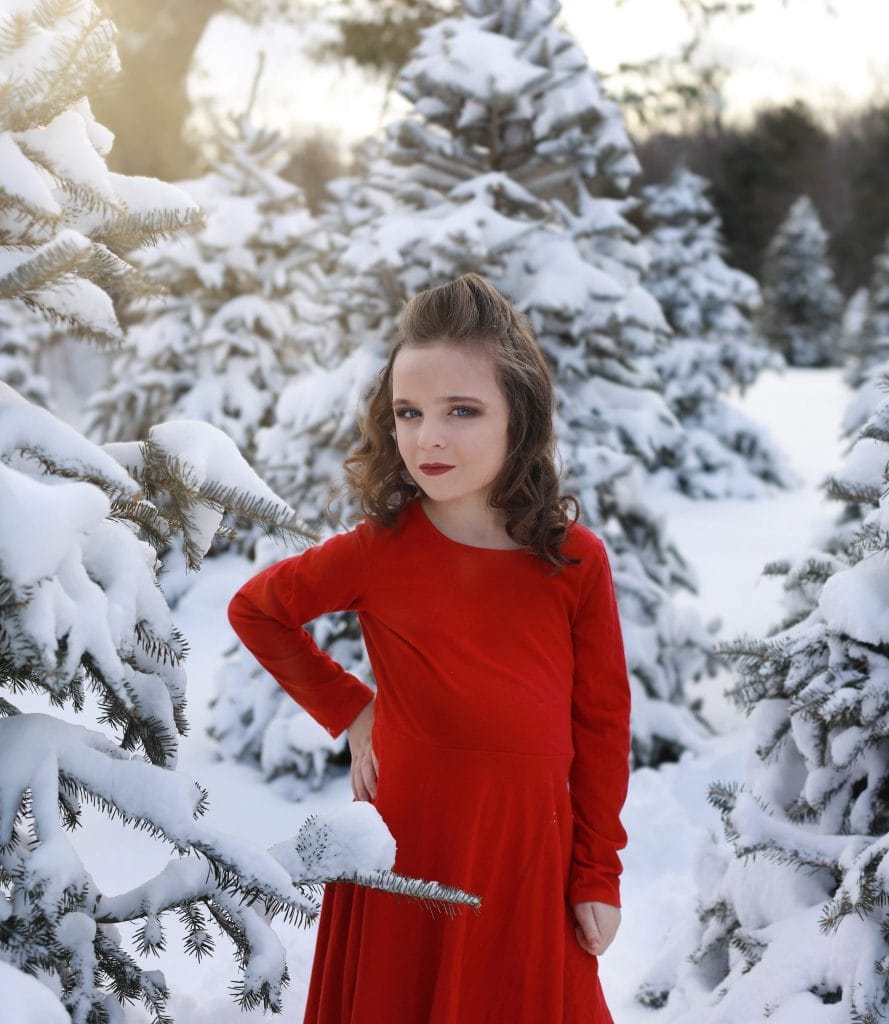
point(607, 920)
point(369, 778)
point(585, 916)
point(358, 788)
point(587, 931)
point(373, 754)
point(583, 942)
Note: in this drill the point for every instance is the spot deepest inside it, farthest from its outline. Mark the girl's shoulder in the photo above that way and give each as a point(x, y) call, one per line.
point(581, 542)
point(371, 532)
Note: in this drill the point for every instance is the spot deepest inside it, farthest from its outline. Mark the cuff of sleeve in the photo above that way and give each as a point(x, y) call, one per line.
point(586, 887)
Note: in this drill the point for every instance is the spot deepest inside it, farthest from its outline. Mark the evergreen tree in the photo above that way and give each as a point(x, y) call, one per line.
point(714, 348)
point(854, 316)
point(807, 828)
point(67, 222)
point(515, 165)
point(18, 325)
point(801, 304)
point(83, 530)
point(871, 332)
point(240, 314)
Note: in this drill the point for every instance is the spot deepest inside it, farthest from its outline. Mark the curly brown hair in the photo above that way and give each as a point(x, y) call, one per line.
point(471, 311)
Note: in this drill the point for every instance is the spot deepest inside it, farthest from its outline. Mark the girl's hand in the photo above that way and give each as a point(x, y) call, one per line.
point(596, 927)
point(364, 761)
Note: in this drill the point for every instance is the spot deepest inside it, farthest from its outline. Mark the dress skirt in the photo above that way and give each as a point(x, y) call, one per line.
point(494, 823)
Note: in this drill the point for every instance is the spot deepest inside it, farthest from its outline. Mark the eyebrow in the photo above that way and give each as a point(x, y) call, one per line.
point(447, 398)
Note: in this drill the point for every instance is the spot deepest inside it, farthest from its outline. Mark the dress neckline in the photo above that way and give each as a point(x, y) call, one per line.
point(432, 528)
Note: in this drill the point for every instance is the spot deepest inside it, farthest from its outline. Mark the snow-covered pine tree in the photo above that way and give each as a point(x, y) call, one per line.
point(514, 165)
point(81, 612)
point(67, 223)
point(871, 337)
point(794, 921)
point(854, 314)
point(802, 306)
point(18, 325)
point(714, 348)
point(300, 455)
point(241, 313)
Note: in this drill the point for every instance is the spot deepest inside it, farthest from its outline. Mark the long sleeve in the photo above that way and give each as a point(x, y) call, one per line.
point(600, 712)
point(269, 612)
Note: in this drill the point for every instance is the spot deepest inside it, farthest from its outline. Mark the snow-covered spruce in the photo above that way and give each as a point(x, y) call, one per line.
point(513, 164)
point(714, 348)
point(67, 223)
point(866, 328)
point(18, 351)
point(241, 314)
point(807, 867)
point(802, 307)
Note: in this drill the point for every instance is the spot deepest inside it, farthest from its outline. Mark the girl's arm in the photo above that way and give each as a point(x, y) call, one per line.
point(600, 712)
point(269, 611)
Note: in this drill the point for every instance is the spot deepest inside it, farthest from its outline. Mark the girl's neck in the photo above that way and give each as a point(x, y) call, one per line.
point(476, 526)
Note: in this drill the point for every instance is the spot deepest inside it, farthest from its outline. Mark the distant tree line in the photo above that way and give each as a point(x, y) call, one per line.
point(757, 170)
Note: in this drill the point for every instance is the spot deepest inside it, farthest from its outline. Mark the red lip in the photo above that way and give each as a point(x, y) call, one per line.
point(434, 468)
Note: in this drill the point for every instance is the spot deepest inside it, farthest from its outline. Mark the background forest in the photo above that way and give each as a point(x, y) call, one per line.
point(757, 162)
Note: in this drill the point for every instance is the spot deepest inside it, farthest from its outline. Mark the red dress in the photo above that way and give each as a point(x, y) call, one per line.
point(501, 729)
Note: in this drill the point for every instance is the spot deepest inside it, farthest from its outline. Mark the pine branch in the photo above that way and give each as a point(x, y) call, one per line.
point(129, 231)
point(117, 277)
point(83, 64)
point(130, 982)
point(198, 941)
point(754, 649)
point(46, 265)
point(26, 225)
point(858, 493)
point(45, 458)
point(160, 650)
point(17, 667)
point(146, 517)
point(724, 796)
point(158, 743)
point(79, 197)
point(163, 473)
point(39, 303)
point(750, 948)
point(433, 895)
point(870, 538)
point(7, 710)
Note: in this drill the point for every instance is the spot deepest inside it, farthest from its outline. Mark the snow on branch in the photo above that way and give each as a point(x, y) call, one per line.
point(203, 475)
point(44, 761)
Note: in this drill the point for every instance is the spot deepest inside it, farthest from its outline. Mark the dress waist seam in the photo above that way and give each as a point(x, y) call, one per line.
point(400, 737)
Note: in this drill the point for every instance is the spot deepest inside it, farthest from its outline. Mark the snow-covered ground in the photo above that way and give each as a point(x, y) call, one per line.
point(667, 814)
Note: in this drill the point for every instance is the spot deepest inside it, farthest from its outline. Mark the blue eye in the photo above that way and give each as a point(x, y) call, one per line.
point(403, 414)
point(464, 409)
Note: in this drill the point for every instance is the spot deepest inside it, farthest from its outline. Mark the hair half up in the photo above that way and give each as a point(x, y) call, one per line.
point(470, 311)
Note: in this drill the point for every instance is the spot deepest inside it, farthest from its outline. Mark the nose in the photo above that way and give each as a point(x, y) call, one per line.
point(430, 434)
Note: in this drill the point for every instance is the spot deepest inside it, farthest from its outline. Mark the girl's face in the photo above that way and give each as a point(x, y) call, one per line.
point(450, 411)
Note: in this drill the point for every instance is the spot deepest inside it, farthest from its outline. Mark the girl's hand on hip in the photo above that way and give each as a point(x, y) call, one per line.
point(596, 926)
point(364, 761)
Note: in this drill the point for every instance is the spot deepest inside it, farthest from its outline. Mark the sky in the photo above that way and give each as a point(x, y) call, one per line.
point(783, 50)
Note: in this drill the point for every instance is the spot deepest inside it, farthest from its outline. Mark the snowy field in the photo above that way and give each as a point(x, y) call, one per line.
point(667, 814)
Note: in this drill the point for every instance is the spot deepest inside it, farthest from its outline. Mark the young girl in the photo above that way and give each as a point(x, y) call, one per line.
point(496, 747)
